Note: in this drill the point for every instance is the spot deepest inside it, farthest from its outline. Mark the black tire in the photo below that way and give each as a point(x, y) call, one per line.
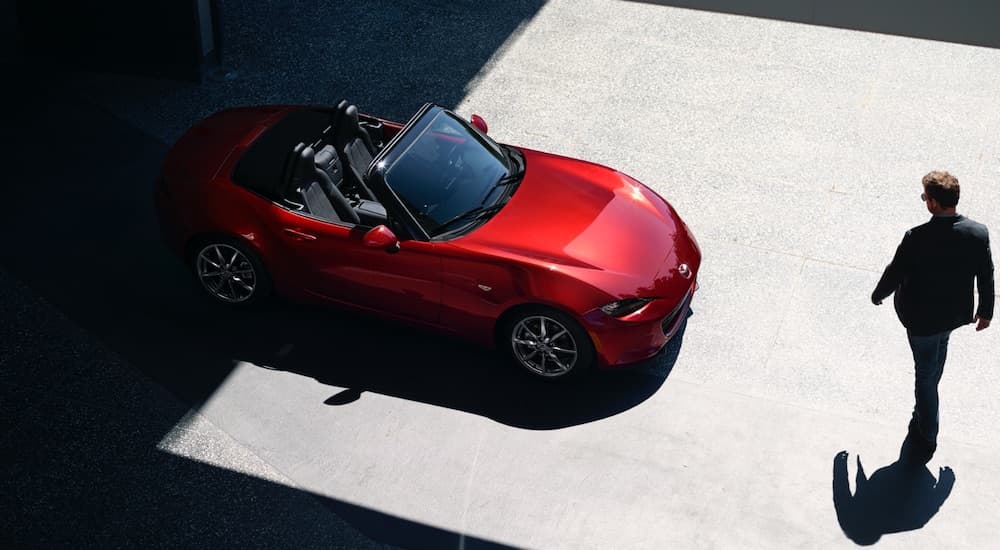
point(547, 343)
point(230, 271)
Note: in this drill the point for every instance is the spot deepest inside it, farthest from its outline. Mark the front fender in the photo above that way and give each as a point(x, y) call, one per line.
point(476, 292)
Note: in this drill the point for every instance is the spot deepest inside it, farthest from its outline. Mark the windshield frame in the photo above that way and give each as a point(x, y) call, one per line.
point(398, 147)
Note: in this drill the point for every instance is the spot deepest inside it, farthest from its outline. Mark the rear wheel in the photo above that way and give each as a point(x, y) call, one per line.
point(230, 272)
point(548, 343)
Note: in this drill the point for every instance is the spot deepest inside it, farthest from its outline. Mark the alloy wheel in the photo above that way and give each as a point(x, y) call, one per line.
point(226, 273)
point(544, 346)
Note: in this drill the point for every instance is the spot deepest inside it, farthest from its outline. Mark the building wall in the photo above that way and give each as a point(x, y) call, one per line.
point(152, 38)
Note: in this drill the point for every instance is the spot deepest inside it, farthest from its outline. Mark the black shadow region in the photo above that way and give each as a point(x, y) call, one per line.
point(902, 496)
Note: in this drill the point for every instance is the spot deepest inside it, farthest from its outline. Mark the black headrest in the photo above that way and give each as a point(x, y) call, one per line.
point(347, 126)
point(326, 156)
point(291, 167)
point(305, 166)
point(350, 116)
point(337, 113)
point(351, 120)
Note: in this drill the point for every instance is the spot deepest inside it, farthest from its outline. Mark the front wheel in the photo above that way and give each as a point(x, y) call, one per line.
point(548, 343)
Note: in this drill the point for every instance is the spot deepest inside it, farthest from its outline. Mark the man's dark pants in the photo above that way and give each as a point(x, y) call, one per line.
point(929, 353)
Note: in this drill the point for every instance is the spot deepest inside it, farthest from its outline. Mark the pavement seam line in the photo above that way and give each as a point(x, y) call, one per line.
point(793, 405)
point(789, 254)
point(468, 490)
point(784, 313)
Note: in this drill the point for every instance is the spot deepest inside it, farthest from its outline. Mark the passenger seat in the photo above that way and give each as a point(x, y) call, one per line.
point(315, 188)
point(327, 161)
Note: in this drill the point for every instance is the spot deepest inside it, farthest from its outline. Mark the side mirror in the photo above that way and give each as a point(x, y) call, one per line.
point(480, 123)
point(383, 238)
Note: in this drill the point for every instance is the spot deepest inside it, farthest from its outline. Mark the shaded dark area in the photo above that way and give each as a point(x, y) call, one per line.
point(972, 22)
point(902, 496)
point(79, 464)
point(116, 35)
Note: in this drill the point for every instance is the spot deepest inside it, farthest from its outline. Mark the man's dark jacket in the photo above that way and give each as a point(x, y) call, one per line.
point(932, 275)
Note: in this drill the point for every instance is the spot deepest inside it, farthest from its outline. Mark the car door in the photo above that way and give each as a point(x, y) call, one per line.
point(339, 267)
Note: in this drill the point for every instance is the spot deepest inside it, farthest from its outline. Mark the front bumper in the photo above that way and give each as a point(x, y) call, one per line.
point(621, 345)
point(663, 361)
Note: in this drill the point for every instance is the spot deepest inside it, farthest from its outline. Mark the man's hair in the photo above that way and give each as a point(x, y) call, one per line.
point(942, 187)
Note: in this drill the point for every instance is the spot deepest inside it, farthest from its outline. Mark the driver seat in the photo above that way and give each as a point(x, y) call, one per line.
point(357, 148)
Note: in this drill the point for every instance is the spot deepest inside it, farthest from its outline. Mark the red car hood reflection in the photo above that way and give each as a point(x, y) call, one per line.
point(569, 212)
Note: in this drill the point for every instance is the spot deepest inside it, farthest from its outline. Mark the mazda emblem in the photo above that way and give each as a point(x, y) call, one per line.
point(684, 270)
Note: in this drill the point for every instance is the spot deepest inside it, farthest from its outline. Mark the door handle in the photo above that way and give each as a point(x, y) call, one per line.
point(300, 235)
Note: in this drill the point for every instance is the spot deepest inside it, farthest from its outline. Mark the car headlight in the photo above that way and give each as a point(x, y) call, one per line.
point(624, 307)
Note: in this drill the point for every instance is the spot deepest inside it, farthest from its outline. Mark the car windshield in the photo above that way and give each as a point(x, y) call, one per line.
point(449, 173)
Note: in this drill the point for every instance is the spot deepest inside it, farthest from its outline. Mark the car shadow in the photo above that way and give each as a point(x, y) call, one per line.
point(80, 230)
point(357, 354)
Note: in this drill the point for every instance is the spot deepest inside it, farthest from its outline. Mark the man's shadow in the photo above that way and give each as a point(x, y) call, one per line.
point(902, 496)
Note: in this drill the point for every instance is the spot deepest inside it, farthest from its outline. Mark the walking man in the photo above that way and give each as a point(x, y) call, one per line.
point(932, 276)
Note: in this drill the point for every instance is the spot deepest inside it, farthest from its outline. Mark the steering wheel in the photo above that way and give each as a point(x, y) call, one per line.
point(454, 166)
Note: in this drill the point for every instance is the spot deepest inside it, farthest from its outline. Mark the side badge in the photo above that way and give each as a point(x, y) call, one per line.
point(485, 288)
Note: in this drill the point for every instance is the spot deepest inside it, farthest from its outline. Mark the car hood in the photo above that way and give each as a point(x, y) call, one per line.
point(206, 145)
point(579, 215)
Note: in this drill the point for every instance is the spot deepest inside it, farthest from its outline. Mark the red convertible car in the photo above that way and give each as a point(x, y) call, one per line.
point(564, 264)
